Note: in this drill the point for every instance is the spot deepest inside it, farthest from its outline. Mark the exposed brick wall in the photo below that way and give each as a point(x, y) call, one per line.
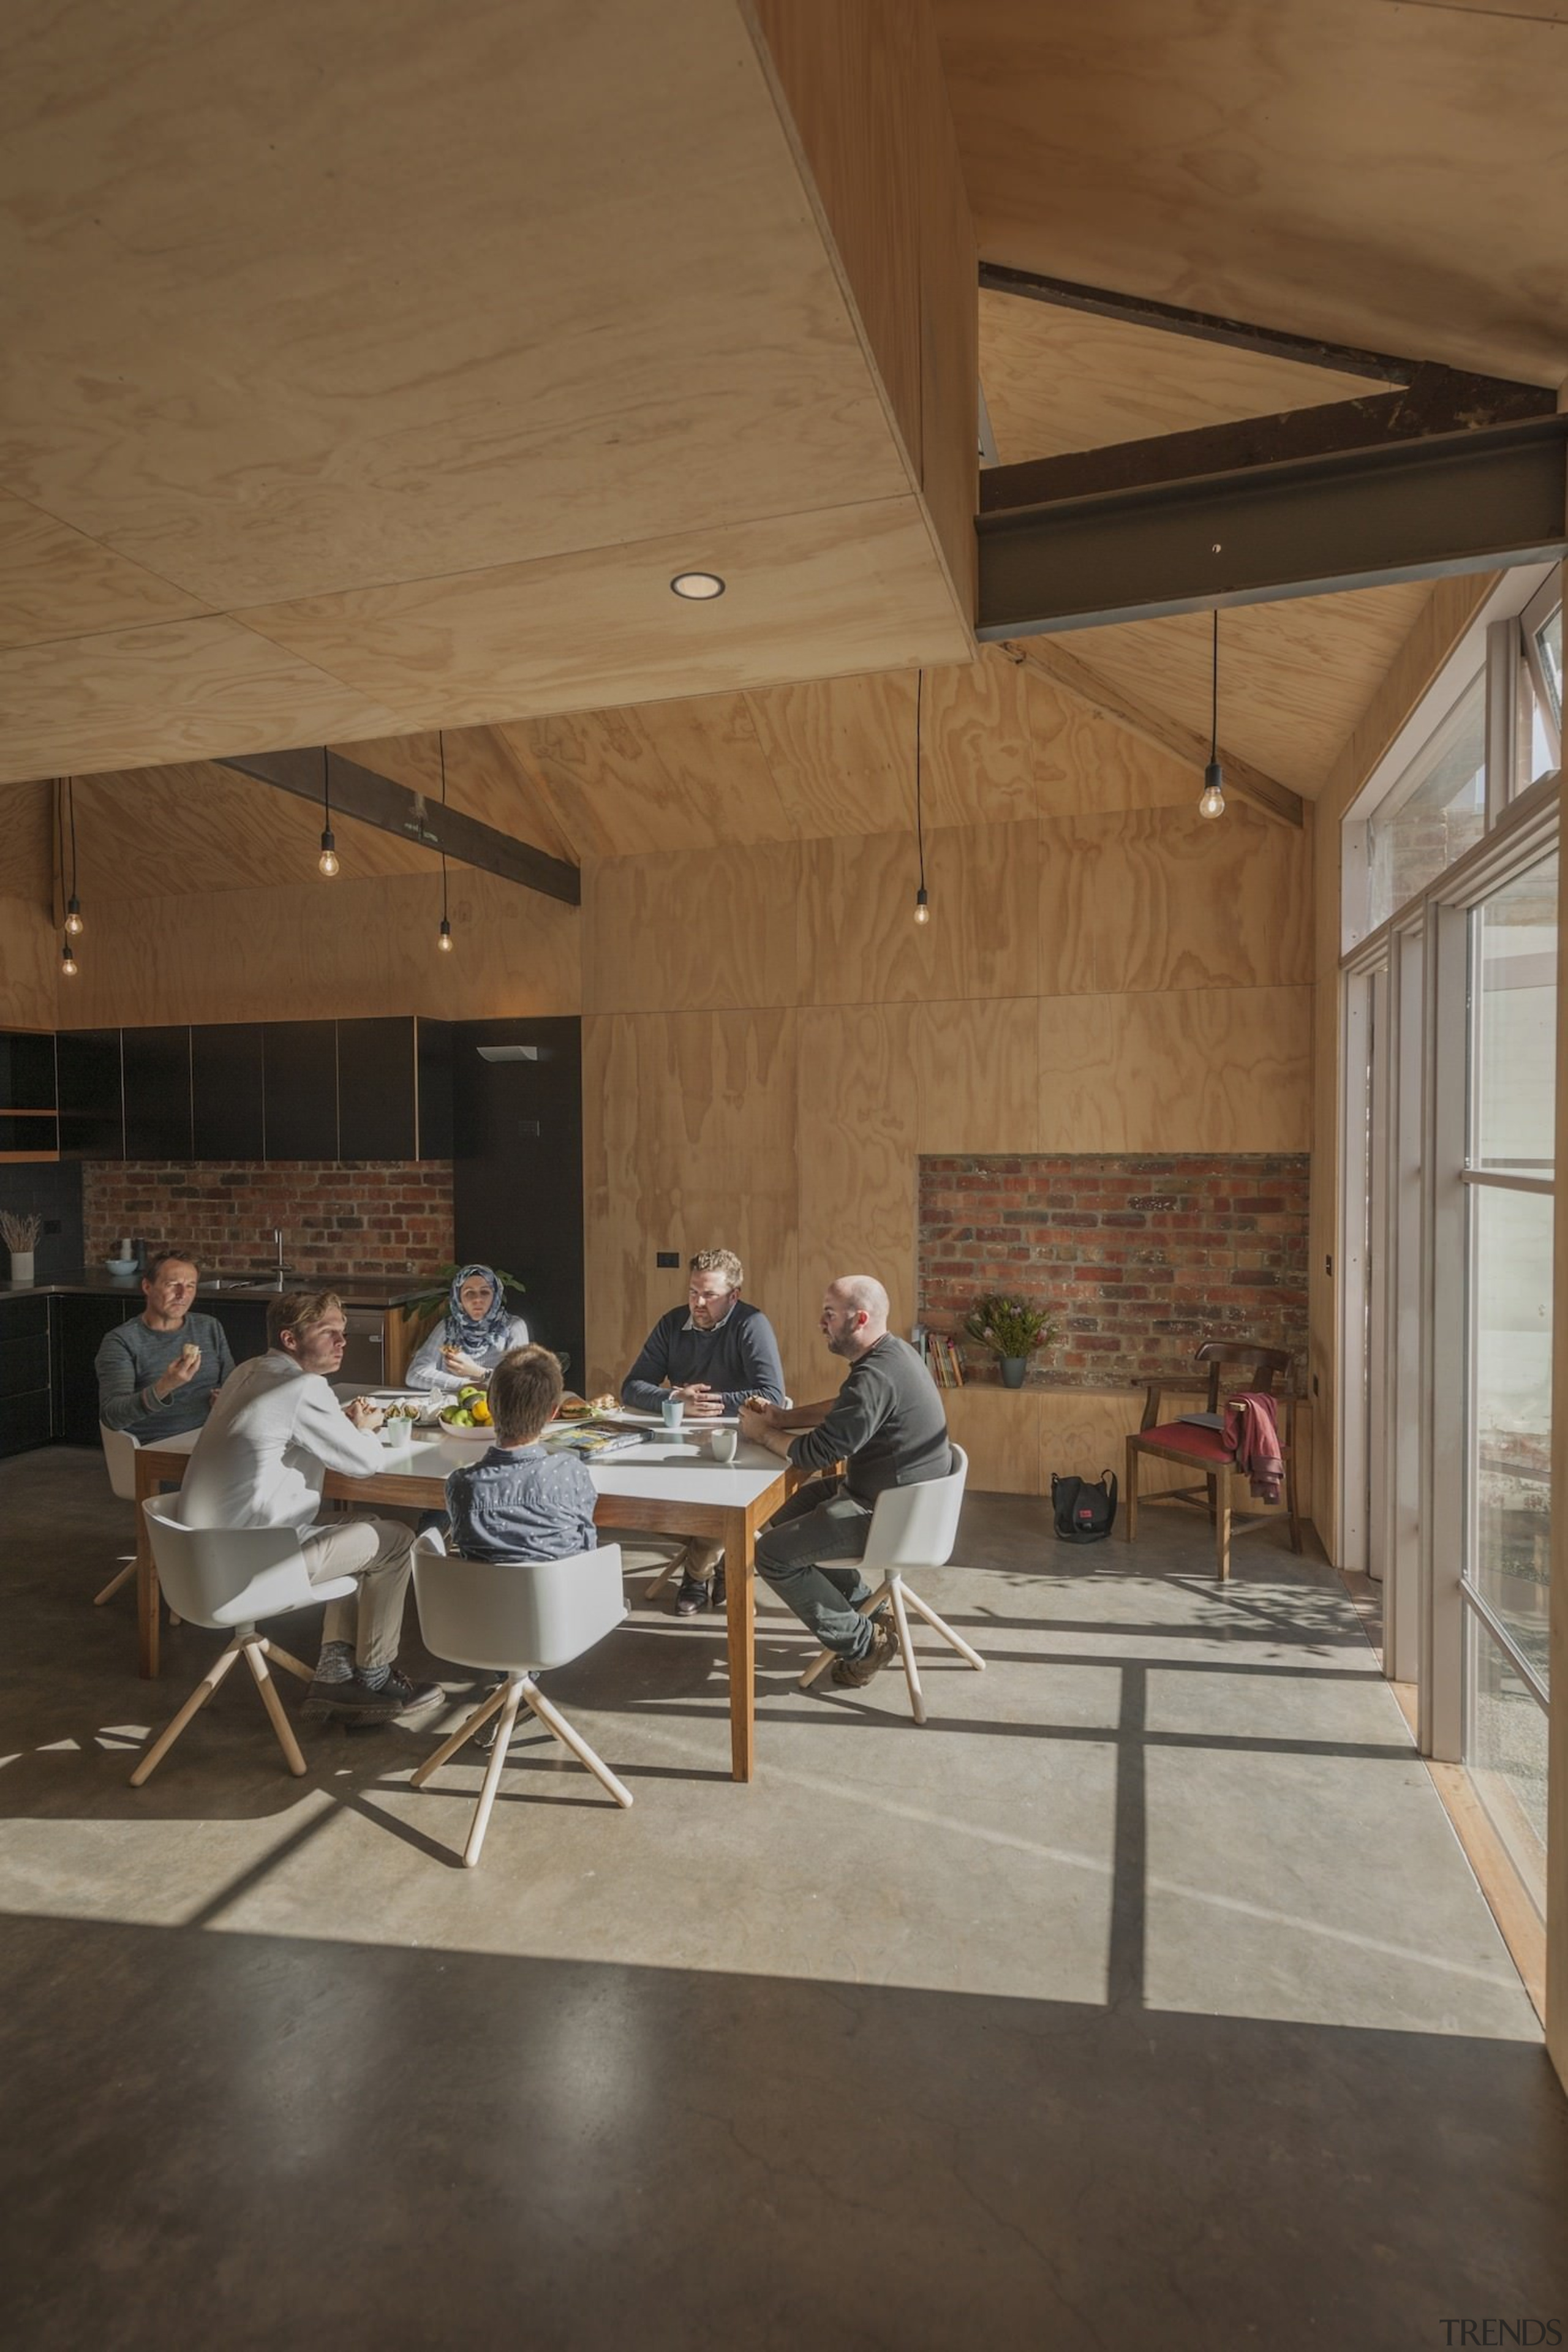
point(1140, 1258)
point(353, 1217)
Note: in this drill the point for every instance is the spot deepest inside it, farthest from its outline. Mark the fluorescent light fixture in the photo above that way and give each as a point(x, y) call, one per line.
point(507, 1053)
point(699, 587)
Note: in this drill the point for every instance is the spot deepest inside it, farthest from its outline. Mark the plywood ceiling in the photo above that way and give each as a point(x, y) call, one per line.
point(1371, 171)
point(830, 758)
point(365, 370)
point(1056, 381)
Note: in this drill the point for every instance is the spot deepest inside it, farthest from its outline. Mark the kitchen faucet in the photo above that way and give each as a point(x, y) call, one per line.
point(278, 1237)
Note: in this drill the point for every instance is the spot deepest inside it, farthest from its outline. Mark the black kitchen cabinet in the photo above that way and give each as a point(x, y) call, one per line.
point(228, 1120)
point(300, 1085)
point(377, 1086)
point(27, 1069)
point(92, 1099)
point(243, 1322)
point(27, 1415)
point(157, 1078)
point(80, 1327)
point(433, 1064)
point(517, 1166)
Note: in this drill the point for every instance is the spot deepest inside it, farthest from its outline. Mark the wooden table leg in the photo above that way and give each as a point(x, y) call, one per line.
point(147, 1612)
point(741, 1627)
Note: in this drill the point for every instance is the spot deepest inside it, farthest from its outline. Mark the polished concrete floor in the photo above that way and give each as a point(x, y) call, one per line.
point(1143, 1999)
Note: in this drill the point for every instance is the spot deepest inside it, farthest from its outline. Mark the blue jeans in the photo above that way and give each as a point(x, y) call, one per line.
point(820, 1525)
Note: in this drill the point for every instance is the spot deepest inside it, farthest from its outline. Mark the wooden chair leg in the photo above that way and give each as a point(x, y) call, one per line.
point(284, 1658)
point(907, 1650)
point(557, 1723)
point(511, 1698)
point(193, 1707)
point(825, 1658)
point(122, 1576)
point(667, 1574)
point(939, 1625)
point(1221, 1486)
point(465, 1731)
point(255, 1654)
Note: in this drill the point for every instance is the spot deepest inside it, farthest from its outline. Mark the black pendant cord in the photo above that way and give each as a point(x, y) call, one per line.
point(1214, 706)
point(441, 744)
point(920, 821)
point(70, 797)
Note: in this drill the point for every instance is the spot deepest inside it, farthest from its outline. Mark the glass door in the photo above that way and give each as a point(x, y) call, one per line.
point(1508, 1175)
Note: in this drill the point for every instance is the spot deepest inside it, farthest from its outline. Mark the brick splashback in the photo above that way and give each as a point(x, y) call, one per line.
point(339, 1219)
point(1140, 1258)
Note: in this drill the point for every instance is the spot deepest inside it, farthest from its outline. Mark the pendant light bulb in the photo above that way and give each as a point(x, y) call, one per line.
point(69, 964)
point(923, 905)
point(328, 860)
point(74, 923)
point(1211, 800)
point(444, 940)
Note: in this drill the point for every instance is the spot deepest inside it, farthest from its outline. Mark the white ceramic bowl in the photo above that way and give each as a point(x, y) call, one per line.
point(121, 1265)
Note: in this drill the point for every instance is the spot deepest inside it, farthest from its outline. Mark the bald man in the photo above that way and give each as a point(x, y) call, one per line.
point(887, 1426)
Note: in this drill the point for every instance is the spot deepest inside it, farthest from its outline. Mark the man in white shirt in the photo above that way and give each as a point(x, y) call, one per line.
point(272, 1435)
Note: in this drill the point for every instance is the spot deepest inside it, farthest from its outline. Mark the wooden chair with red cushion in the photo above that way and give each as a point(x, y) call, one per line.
point(1206, 1451)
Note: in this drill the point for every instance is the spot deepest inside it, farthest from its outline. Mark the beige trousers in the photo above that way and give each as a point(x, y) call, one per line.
point(702, 1560)
point(378, 1552)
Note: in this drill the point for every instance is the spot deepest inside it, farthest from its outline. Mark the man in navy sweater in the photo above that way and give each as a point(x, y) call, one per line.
point(713, 1353)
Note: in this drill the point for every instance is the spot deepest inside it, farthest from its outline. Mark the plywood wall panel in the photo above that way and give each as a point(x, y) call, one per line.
point(1198, 1070)
point(861, 943)
point(839, 751)
point(691, 930)
point(858, 1126)
point(1160, 900)
point(29, 964)
point(977, 1067)
point(1084, 762)
point(349, 948)
point(192, 829)
point(27, 831)
point(977, 757)
point(690, 1143)
point(999, 1429)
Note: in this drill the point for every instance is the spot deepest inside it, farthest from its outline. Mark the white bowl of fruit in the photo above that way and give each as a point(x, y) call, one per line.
point(468, 1415)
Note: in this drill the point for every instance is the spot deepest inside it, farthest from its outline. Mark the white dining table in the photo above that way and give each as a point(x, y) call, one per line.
point(671, 1486)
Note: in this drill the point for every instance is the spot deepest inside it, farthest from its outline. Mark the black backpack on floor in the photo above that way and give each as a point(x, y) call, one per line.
point(1084, 1508)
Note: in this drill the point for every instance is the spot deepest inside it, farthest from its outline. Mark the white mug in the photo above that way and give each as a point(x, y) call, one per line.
point(723, 1443)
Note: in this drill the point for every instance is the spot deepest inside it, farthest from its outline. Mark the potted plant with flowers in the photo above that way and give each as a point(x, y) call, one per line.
point(1013, 1330)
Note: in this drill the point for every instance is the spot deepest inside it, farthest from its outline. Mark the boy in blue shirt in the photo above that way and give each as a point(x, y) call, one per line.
point(521, 1501)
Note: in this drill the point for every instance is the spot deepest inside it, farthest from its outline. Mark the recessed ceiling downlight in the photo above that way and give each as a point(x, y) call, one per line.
point(699, 587)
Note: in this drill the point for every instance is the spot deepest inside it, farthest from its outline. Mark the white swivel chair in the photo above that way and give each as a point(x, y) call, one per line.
point(518, 1617)
point(911, 1526)
point(230, 1577)
point(119, 1460)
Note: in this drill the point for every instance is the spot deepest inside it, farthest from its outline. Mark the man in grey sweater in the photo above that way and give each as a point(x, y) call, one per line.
point(158, 1375)
point(712, 1353)
point(887, 1424)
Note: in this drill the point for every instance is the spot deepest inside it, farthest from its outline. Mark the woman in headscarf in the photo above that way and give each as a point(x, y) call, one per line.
point(471, 1338)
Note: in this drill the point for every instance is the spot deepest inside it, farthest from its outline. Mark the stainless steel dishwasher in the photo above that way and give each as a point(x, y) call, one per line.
point(363, 1356)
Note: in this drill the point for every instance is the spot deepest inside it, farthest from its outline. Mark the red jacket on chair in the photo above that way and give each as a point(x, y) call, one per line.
point(1253, 1433)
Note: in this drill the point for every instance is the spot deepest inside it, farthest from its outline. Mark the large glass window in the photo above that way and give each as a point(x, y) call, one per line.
point(1435, 813)
point(1507, 1563)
